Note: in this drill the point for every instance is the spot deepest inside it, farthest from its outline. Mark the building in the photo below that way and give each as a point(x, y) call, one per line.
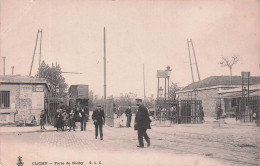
point(208, 91)
point(244, 105)
point(22, 98)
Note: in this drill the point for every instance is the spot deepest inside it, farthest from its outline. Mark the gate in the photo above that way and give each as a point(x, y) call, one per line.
point(177, 112)
point(109, 113)
point(190, 111)
point(52, 105)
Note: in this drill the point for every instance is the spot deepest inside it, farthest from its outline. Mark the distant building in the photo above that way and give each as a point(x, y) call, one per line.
point(22, 98)
point(209, 91)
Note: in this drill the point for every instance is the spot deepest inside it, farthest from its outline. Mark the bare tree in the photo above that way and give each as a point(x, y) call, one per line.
point(229, 62)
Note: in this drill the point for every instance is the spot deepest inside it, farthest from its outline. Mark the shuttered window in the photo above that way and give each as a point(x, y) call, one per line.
point(4, 99)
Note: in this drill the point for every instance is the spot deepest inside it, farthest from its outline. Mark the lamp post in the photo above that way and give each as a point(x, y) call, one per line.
point(160, 91)
point(168, 70)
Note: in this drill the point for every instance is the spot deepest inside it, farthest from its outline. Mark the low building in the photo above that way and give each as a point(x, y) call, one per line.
point(236, 104)
point(208, 91)
point(22, 98)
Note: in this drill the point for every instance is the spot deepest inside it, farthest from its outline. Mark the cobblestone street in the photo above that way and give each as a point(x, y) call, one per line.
point(202, 144)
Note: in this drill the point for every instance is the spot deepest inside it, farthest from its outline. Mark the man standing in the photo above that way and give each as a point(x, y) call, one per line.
point(219, 112)
point(128, 114)
point(142, 123)
point(83, 120)
point(98, 117)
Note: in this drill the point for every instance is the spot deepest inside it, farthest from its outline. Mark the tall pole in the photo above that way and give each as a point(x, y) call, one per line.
point(12, 70)
point(3, 65)
point(144, 81)
point(34, 53)
point(40, 50)
point(105, 97)
point(190, 61)
point(158, 88)
point(195, 59)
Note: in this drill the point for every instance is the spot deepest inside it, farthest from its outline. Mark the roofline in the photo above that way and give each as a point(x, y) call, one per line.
point(45, 83)
point(208, 88)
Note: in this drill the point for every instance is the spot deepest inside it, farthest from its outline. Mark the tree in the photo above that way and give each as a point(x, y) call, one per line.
point(229, 62)
point(174, 87)
point(53, 76)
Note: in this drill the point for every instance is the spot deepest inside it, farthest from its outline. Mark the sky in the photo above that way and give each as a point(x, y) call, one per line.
point(150, 33)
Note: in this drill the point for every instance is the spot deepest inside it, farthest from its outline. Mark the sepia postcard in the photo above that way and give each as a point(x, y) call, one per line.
point(129, 83)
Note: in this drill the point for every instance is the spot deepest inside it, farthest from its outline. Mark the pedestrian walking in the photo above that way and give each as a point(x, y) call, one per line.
point(219, 112)
point(83, 119)
point(65, 119)
point(142, 123)
point(59, 124)
point(72, 120)
point(42, 120)
point(128, 114)
point(98, 117)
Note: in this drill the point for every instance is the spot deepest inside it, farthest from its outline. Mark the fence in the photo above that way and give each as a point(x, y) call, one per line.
point(177, 112)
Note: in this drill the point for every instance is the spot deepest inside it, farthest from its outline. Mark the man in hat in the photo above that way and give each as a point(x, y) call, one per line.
point(98, 117)
point(142, 123)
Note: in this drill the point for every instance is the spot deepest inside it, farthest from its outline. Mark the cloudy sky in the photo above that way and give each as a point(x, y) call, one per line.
point(149, 32)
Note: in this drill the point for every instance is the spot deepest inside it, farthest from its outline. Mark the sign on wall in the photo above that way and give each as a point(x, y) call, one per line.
point(38, 100)
point(25, 91)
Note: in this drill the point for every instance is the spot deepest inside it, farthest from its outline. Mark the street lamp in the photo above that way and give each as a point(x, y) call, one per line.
point(161, 92)
point(168, 71)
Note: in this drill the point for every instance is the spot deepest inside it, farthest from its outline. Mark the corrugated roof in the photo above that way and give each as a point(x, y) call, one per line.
point(21, 79)
point(220, 80)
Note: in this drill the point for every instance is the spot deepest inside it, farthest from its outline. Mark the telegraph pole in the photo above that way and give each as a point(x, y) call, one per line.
point(105, 97)
point(12, 70)
point(190, 61)
point(144, 81)
point(34, 53)
point(3, 65)
point(40, 50)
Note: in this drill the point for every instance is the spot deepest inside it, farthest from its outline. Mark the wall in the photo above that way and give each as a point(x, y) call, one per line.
point(26, 102)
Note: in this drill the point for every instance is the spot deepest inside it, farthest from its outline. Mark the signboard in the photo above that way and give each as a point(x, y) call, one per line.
point(83, 91)
point(38, 88)
point(162, 74)
point(38, 100)
point(25, 91)
point(245, 75)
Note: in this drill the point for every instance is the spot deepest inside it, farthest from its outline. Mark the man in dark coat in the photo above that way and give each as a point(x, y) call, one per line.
point(128, 114)
point(83, 119)
point(72, 120)
point(142, 123)
point(98, 117)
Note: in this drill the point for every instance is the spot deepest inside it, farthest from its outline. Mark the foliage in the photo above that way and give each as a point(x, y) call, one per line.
point(53, 76)
point(229, 62)
point(125, 99)
point(174, 87)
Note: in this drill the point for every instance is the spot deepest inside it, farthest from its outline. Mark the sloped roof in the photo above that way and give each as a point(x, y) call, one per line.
point(220, 80)
point(21, 79)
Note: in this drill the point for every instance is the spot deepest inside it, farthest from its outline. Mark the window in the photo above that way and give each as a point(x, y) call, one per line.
point(4, 99)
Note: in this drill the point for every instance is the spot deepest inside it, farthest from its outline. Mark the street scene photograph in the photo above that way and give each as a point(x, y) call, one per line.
point(129, 83)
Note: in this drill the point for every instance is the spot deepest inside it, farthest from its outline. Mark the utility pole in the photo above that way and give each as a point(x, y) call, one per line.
point(190, 61)
point(34, 53)
point(195, 59)
point(144, 81)
point(12, 70)
point(40, 50)
point(105, 97)
point(4, 65)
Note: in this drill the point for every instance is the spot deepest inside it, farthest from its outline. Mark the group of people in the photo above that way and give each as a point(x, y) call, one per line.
point(64, 119)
